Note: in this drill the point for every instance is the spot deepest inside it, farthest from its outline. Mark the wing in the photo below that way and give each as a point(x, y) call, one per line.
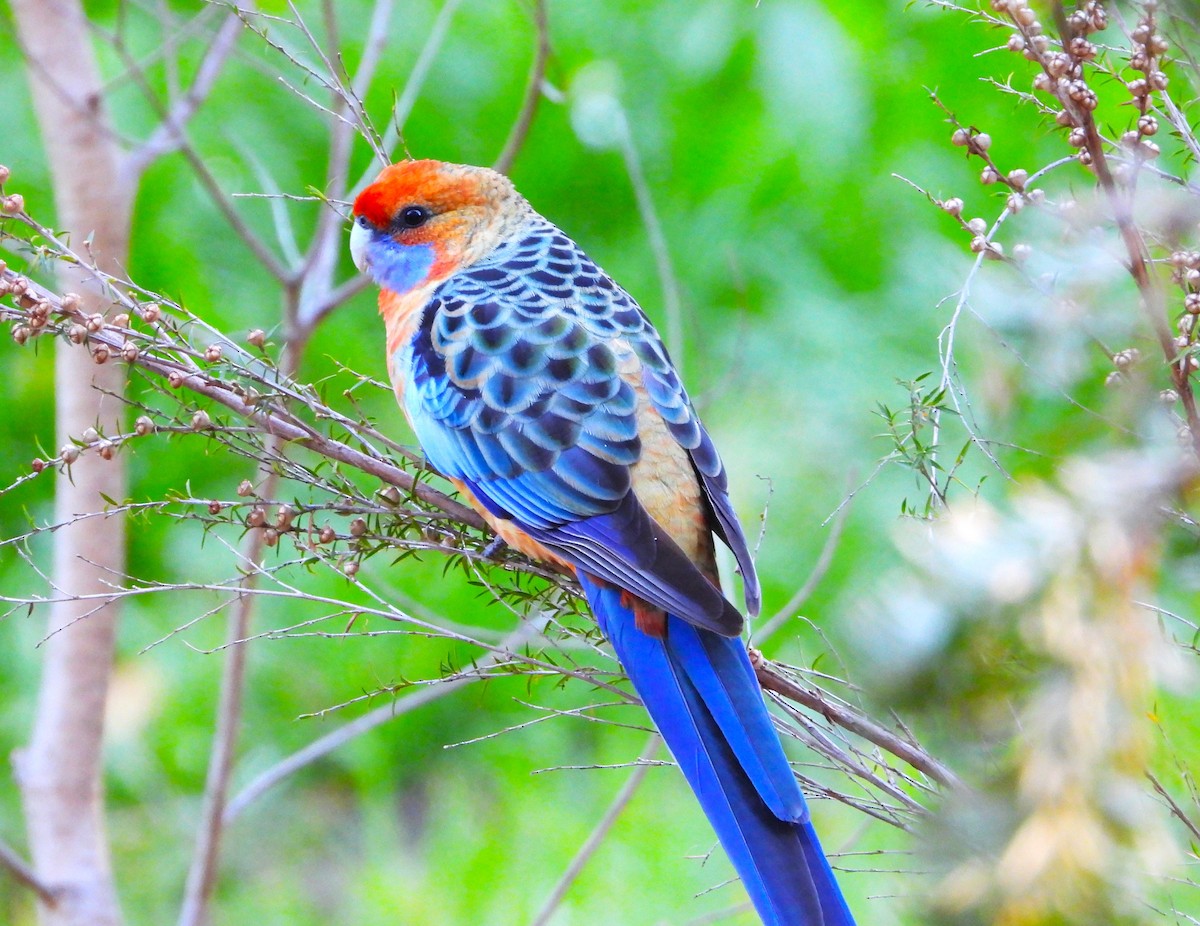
point(519, 384)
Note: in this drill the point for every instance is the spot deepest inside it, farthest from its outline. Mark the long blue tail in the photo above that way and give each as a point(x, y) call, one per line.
point(702, 694)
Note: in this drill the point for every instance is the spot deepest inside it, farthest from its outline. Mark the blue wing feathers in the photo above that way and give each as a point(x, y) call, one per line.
point(513, 386)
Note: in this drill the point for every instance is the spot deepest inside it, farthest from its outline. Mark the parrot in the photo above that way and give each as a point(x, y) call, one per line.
point(540, 389)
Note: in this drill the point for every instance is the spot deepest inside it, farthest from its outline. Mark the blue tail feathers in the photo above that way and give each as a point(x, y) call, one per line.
point(701, 692)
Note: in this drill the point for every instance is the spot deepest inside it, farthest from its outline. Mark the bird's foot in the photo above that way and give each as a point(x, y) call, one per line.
point(492, 550)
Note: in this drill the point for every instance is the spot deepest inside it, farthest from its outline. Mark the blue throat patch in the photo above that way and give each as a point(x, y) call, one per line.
point(398, 267)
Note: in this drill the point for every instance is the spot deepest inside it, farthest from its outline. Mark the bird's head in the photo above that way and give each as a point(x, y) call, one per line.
point(421, 221)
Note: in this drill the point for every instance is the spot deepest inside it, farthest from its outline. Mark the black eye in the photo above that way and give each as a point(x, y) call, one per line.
point(413, 216)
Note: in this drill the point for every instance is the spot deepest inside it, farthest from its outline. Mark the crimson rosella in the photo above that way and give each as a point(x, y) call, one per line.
point(542, 391)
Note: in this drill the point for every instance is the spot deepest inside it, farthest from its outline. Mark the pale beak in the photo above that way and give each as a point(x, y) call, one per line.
point(360, 237)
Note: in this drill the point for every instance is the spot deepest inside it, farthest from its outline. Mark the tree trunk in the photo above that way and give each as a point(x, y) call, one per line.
point(61, 770)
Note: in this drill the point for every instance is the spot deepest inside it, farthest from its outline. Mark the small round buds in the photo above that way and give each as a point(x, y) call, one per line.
point(71, 302)
point(245, 488)
point(270, 536)
point(201, 421)
point(130, 352)
point(391, 495)
point(1081, 48)
point(989, 176)
point(1147, 125)
point(144, 425)
point(358, 527)
point(1124, 359)
point(350, 568)
point(94, 323)
point(1168, 397)
point(77, 334)
point(960, 138)
point(977, 226)
point(11, 205)
point(257, 517)
point(952, 206)
point(89, 435)
point(121, 321)
point(175, 379)
point(284, 517)
point(1191, 303)
point(106, 449)
point(1058, 64)
point(150, 313)
point(100, 354)
point(21, 333)
point(1016, 42)
point(5, 173)
point(327, 535)
point(256, 338)
point(37, 464)
point(1017, 178)
point(215, 507)
point(68, 453)
point(1022, 252)
point(212, 353)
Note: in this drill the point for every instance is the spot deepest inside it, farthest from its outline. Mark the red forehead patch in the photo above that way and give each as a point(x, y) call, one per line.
point(439, 186)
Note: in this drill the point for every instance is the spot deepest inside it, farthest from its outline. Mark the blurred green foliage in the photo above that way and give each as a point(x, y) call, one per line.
point(811, 277)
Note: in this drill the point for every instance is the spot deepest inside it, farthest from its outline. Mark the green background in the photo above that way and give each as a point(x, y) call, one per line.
point(811, 281)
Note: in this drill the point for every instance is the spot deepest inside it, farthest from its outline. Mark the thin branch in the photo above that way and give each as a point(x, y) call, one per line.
point(658, 243)
point(320, 263)
point(330, 742)
point(274, 422)
point(165, 138)
point(202, 874)
point(601, 830)
point(413, 86)
point(1176, 810)
point(25, 875)
point(820, 568)
point(814, 699)
point(533, 92)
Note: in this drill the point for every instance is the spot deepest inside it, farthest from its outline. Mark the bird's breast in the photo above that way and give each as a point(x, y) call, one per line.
point(401, 313)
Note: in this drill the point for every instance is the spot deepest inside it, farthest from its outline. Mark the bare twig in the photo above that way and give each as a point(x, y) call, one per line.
point(202, 874)
point(1176, 811)
point(25, 875)
point(596, 837)
point(814, 699)
point(533, 92)
point(824, 561)
point(330, 742)
point(658, 243)
point(165, 139)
